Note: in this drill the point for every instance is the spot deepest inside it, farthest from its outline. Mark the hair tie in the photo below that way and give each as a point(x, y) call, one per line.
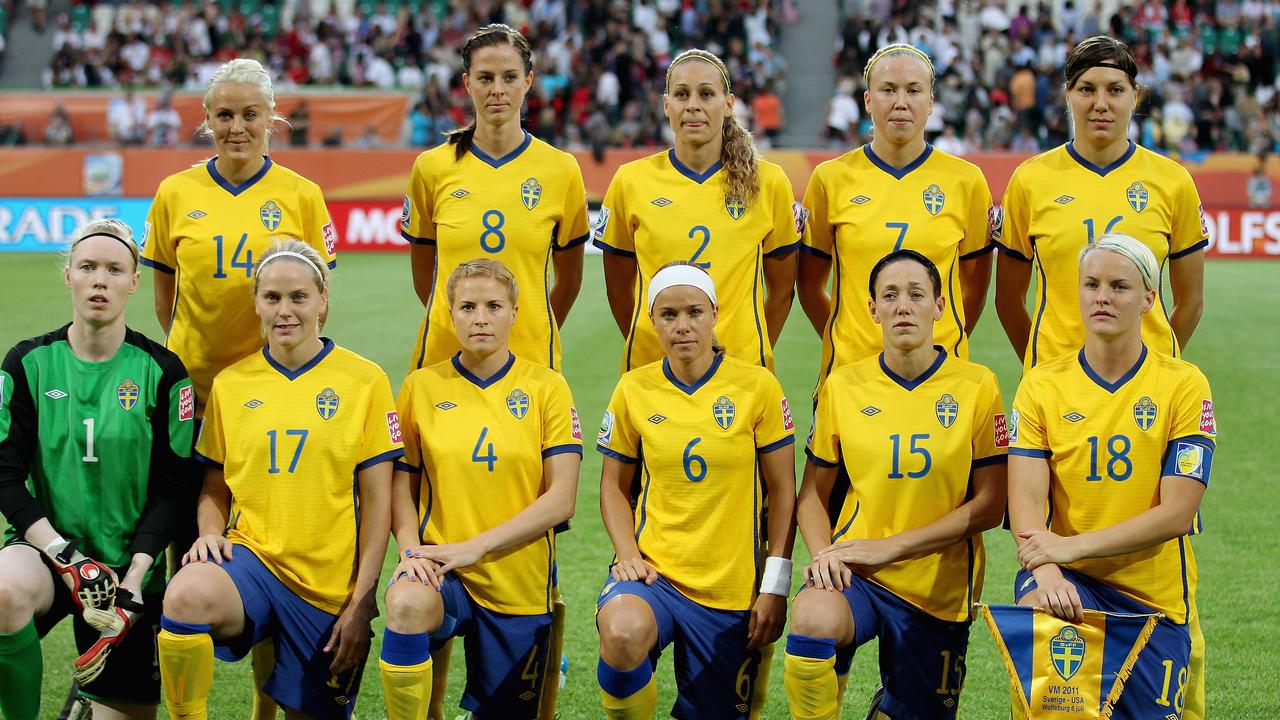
point(728, 88)
point(133, 248)
point(290, 253)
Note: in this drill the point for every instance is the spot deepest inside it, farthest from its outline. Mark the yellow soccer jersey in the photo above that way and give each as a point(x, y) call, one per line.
point(212, 233)
point(861, 209)
point(479, 446)
point(1057, 202)
point(698, 517)
point(290, 443)
point(517, 209)
point(657, 211)
point(909, 448)
point(1108, 446)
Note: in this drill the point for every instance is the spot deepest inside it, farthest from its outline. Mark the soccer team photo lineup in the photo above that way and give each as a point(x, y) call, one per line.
point(1016, 260)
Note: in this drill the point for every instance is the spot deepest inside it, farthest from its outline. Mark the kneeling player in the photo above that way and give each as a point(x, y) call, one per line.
point(492, 451)
point(97, 419)
point(695, 425)
point(921, 435)
point(285, 431)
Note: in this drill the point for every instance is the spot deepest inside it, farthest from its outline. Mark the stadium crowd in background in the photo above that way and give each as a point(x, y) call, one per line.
point(1209, 67)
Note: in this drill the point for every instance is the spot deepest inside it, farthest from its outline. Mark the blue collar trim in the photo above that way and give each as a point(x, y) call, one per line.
point(295, 374)
point(686, 171)
point(1101, 171)
point(920, 380)
point(499, 162)
point(691, 389)
point(486, 382)
point(1112, 387)
point(897, 173)
point(237, 189)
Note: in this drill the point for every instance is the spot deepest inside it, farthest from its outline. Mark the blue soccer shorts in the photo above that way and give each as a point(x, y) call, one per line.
point(1158, 684)
point(301, 679)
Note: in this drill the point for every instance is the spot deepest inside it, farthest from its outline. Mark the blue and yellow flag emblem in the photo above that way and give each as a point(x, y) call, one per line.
point(1144, 413)
point(946, 409)
point(128, 394)
point(734, 207)
point(1062, 670)
point(530, 193)
point(1137, 196)
point(934, 199)
point(327, 403)
point(270, 213)
point(518, 403)
point(723, 411)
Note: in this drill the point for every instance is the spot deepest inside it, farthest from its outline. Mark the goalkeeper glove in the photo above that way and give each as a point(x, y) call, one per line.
point(126, 612)
point(92, 584)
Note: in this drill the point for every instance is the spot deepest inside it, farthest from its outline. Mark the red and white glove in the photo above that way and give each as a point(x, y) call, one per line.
point(92, 584)
point(125, 613)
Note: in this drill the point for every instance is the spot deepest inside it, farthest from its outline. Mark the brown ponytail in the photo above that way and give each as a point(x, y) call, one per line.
point(486, 36)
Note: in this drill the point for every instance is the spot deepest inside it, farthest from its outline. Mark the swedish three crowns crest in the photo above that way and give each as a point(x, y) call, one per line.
point(1144, 413)
point(946, 409)
point(518, 403)
point(1137, 196)
point(530, 193)
point(270, 213)
point(128, 394)
point(723, 412)
point(327, 403)
point(934, 199)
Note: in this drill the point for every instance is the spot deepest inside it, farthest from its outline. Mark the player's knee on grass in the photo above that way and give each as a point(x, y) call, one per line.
point(822, 614)
point(413, 607)
point(628, 631)
point(26, 587)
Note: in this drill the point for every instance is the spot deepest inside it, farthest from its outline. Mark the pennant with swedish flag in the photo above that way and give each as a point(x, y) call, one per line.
point(1063, 670)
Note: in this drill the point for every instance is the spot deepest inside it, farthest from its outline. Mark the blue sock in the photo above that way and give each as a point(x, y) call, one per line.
point(405, 649)
point(810, 647)
point(623, 683)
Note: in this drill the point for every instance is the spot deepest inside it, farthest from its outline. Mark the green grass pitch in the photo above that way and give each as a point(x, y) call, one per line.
point(375, 313)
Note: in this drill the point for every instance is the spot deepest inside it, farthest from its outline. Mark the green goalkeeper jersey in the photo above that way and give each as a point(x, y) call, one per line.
point(99, 448)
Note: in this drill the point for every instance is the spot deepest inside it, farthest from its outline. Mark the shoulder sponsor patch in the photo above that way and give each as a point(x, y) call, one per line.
point(406, 216)
point(1002, 430)
point(995, 223)
point(1190, 460)
point(602, 224)
point(1207, 423)
point(1204, 221)
point(186, 403)
point(605, 436)
point(393, 427)
point(800, 214)
point(788, 423)
point(1014, 416)
point(577, 424)
point(330, 237)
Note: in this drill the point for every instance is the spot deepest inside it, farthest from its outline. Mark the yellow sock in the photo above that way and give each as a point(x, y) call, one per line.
point(264, 663)
point(841, 682)
point(639, 705)
point(186, 669)
point(809, 674)
point(406, 690)
point(760, 692)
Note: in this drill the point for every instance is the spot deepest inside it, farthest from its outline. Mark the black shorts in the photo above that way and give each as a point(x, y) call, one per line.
point(132, 672)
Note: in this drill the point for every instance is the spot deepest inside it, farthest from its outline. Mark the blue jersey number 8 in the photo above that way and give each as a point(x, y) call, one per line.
point(492, 228)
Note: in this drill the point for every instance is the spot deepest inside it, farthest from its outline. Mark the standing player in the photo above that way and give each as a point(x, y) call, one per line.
point(495, 191)
point(492, 451)
point(688, 559)
point(208, 227)
point(895, 192)
point(1110, 184)
point(1116, 442)
point(922, 436)
point(286, 432)
point(712, 201)
point(95, 423)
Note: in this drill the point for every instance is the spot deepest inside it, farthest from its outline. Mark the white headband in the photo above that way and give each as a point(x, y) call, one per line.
point(681, 275)
point(290, 253)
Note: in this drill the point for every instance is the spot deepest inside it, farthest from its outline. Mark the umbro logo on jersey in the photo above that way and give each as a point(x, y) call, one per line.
point(446, 405)
point(661, 202)
point(860, 200)
point(657, 419)
point(196, 214)
point(870, 411)
point(253, 404)
point(1063, 199)
point(55, 394)
point(1073, 417)
point(460, 193)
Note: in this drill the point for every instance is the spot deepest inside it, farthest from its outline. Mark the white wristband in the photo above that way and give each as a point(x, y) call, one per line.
point(56, 542)
point(777, 576)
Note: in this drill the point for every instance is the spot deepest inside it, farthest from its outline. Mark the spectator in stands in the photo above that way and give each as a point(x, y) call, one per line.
point(949, 143)
point(299, 124)
point(59, 130)
point(126, 118)
point(1259, 186)
point(842, 116)
point(163, 123)
point(766, 106)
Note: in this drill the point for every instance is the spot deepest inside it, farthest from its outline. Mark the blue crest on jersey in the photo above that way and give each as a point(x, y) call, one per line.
point(128, 394)
point(270, 213)
point(518, 403)
point(530, 193)
point(327, 403)
point(723, 411)
point(1144, 413)
point(1066, 650)
point(946, 409)
point(1137, 196)
point(934, 199)
point(735, 207)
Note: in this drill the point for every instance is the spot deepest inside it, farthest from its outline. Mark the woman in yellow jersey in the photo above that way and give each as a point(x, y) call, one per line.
point(688, 568)
point(1100, 182)
point(208, 228)
point(492, 451)
point(922, 435)
point(895, 192)
point(710, 200)
point(1114, 443)
point(497, 192)
point(299, 440)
